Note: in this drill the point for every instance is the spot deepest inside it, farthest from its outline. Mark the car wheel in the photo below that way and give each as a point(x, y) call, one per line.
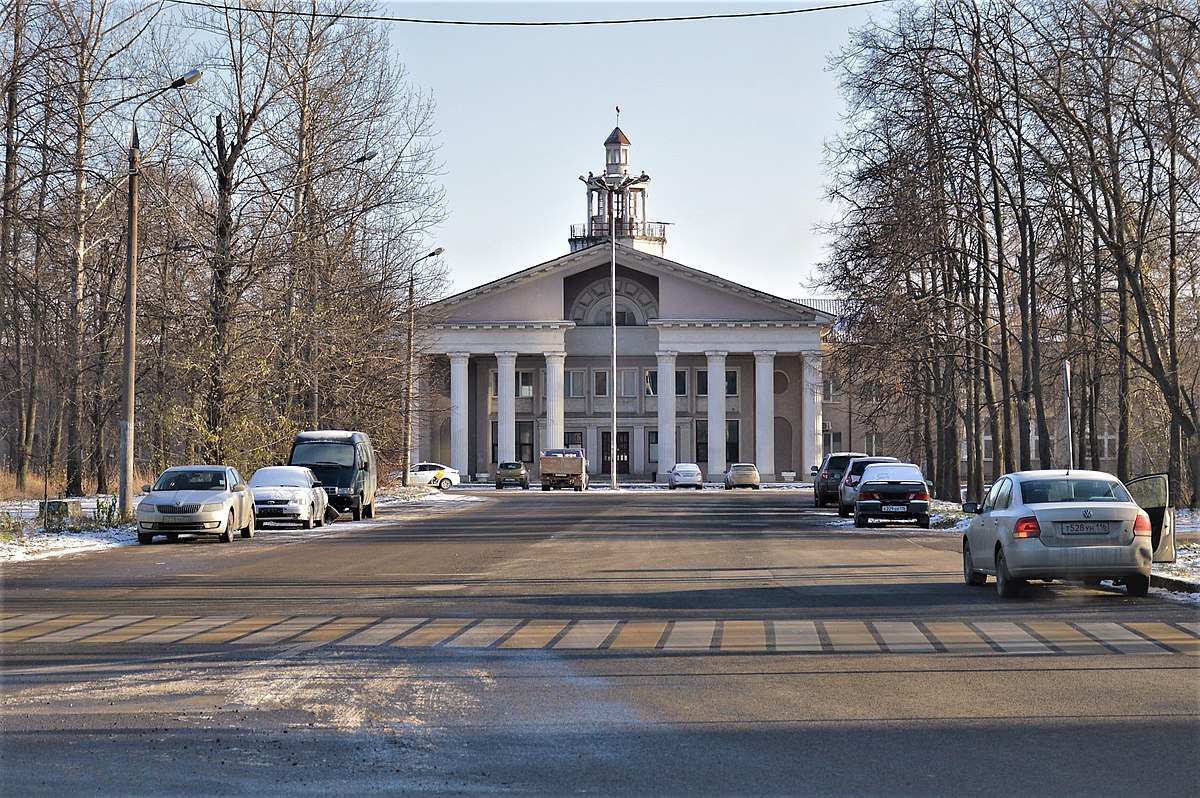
point(1006, 586)
point(545, 487)
point(445, 483)
point(499, 486)
point(227, 533)
point(248, 530)
point(1137, 585)
point(817, 501)
point(924, 522)
point(524, 486)
point(145, 537)
point(369, 510)
point(860, 520)
point(356, 510)
point(311, 520)
point(671, 487)
point(319, 520)
point(970, 575)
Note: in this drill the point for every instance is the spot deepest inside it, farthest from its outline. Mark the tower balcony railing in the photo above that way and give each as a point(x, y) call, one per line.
point(654, 230)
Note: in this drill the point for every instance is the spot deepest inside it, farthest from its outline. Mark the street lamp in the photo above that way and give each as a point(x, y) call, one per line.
point(125, 498)
point(408, 388)
point(613, 185)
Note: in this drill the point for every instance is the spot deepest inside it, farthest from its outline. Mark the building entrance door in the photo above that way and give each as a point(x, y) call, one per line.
point(606, 452)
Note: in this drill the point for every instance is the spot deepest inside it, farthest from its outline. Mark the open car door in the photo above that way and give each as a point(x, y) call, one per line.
point(1153, 494)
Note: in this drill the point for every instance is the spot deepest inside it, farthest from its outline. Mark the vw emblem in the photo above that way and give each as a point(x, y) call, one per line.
point(1087, 513)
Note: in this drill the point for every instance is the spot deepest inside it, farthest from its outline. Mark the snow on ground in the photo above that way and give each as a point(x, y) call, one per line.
point(20, 540)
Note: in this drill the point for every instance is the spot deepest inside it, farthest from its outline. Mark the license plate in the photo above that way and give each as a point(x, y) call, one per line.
point(894, 508)
point(1085, 528)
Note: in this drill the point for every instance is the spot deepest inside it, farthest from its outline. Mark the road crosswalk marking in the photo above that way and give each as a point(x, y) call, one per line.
point(681, 635)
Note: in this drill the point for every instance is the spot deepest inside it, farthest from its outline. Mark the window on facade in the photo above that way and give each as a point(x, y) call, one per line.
point(629, 380)
point(573, 440)
point(525, 384)
point(651, 383)
point(575, 384)
point(681, 382)
point(831, 442)
point(652, 445)
point(732, 444)
point(494, 384)
point(599, 383)
point(525, 441)
point(731, 382)
point(702, 382)
point(701, 440)
point(829, 392)
point(625, 318)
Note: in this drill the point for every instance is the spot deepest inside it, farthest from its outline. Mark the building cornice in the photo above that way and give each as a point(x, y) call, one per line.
point(505, 325)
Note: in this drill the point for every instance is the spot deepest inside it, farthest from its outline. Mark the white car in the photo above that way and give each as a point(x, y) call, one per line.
point(685, 475)
point(196, 500)
point(289, 493)
point(1068, 525)
point(444, 477)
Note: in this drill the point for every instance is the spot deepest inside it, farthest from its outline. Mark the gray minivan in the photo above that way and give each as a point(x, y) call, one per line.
point(345, 463)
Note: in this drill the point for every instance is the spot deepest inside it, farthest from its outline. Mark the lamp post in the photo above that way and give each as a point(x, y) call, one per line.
point(128, 380)
point(408, 388)
point(613, 185)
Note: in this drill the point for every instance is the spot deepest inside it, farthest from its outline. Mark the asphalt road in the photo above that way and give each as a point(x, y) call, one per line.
point(637, 643)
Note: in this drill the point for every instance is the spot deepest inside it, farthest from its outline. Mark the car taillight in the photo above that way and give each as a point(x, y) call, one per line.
point(867, 495)
point(1027, 528)
point(1142, 527)
point(918, 497)
point(825, 474)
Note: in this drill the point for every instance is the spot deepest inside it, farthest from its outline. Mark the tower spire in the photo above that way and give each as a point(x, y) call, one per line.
point(618, 116)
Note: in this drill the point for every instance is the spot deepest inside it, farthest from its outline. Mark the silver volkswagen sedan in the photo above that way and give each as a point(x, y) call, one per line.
point(1081, 525)
point(196, 500)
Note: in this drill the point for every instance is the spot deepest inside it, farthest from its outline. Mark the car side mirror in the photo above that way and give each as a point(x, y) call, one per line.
point(971, 508)
point(812, 472)
point(239, 488)
point(146, 488)
point(317, 485)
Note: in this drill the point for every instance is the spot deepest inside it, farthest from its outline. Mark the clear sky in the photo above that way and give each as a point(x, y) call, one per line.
point(728, 117)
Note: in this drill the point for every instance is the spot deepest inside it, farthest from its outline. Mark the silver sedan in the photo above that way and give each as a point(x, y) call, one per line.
point(289, 493)
point(1048, 525)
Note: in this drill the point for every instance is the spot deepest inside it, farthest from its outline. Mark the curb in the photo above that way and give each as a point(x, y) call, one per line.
point(1173, 584)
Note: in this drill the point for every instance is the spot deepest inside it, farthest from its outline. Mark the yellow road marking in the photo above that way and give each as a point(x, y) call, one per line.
point(236, 629)
point(433, 632)
point(1067, 638)
point(382, 632)
point(744, 636)
point(536, 634)
point(850, 636)
point(958, 638)
point(13, 621)
point(335, 630)
point(1121, 638)
point(46, 627)
point(484, 634)
point(127, 633)
point(588, 634)
point(1169, 636)
point(639, 634)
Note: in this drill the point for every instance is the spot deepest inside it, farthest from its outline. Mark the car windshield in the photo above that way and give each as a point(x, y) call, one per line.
point(191, 480)
point(510, 466)
point(278, 477)
point(323, 453)
point(743, 468)
point(1071, 489)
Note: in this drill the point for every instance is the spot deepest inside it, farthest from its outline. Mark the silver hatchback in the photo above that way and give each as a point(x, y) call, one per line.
point(1081, 525)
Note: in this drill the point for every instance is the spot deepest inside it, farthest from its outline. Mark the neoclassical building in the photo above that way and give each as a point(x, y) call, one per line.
point(708, 371)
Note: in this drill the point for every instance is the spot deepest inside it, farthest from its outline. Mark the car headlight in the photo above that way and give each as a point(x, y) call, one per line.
point(212, 507)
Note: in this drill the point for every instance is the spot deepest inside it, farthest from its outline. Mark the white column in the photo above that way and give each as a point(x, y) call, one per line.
point(716, 413)
point(554, 399)
point(506, 406)
point(764, 413)
point(459, 395)
point(810, 427)
point(666, 411)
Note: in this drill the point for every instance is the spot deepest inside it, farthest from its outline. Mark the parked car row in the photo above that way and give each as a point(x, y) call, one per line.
point(326, 469)
point(1045, 525)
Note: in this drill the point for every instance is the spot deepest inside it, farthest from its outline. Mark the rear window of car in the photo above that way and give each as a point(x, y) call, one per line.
point(892, 473)
point(743, 468)
point(838, 463)
point(1067, 489)
point(510, 466)
point(860, 465)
